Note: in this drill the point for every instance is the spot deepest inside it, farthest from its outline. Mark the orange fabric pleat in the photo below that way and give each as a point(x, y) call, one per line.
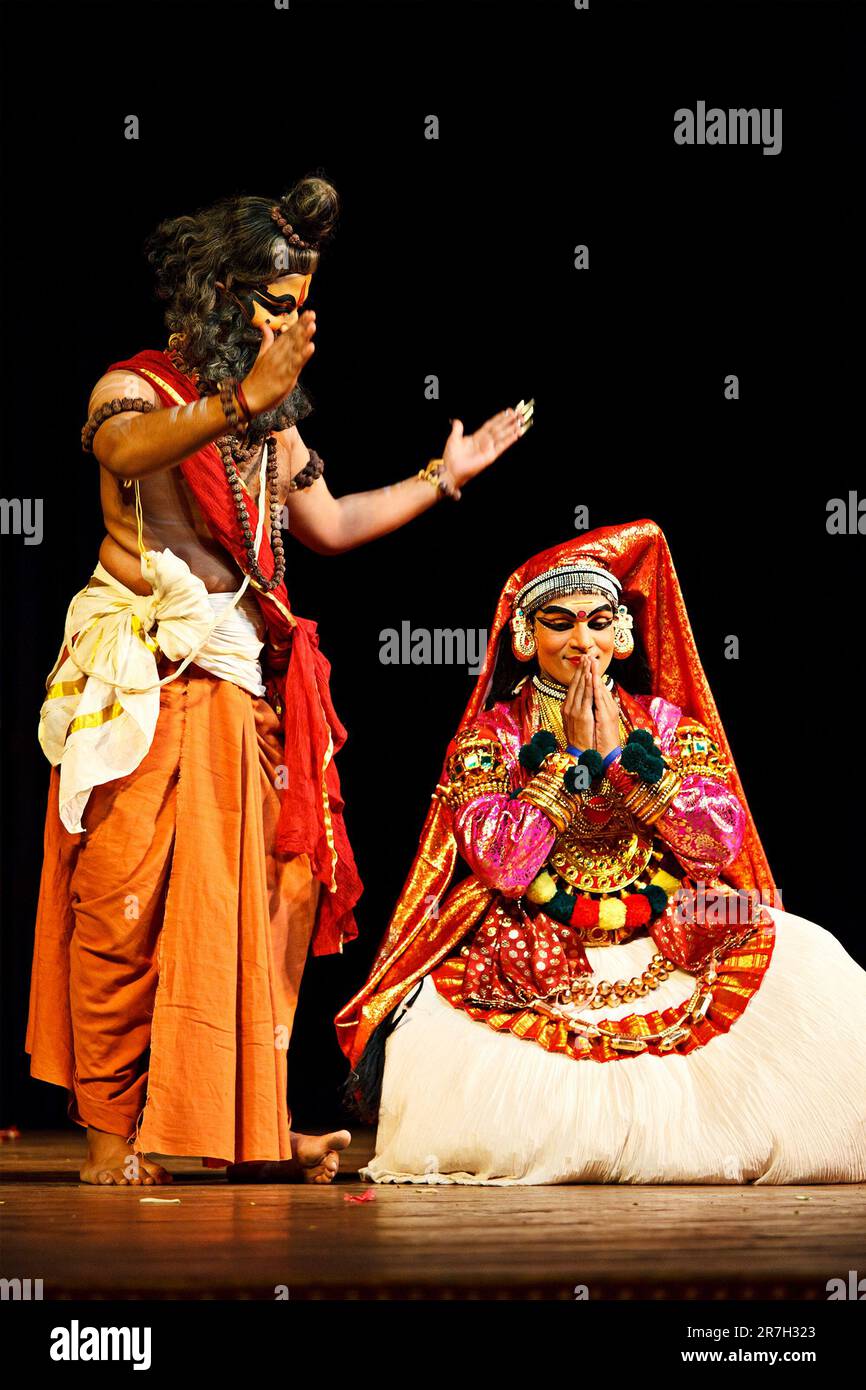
point(171, 938)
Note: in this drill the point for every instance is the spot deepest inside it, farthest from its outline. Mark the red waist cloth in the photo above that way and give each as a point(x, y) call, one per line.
point(311, 819)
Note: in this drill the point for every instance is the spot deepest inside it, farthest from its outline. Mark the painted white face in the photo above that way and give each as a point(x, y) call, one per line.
point(570, 627)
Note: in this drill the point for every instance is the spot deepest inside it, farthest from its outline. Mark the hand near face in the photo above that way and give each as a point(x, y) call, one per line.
point(280, 359)
point(590, 716)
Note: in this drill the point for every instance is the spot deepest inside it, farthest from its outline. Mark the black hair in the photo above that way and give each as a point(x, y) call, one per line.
point(236, 241)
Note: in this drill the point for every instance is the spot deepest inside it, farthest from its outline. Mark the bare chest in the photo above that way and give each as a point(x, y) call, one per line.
point(253, 470)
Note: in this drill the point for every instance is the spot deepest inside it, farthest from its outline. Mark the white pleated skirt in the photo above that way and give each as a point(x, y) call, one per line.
point(780, 1098)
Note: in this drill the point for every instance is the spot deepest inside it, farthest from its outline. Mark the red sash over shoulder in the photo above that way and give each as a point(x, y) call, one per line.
point(311, 816)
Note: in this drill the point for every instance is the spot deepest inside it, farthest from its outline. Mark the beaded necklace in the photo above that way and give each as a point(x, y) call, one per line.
point(549, 695)
point(233, 450)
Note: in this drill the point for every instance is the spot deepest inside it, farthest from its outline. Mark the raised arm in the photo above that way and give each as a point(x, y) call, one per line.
point(133, 444)
point(330, 525)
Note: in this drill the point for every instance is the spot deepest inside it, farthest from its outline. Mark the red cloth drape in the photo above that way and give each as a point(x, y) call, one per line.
point(311, 818)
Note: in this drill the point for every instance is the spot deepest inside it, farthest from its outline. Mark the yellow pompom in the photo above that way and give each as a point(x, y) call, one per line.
point(541, 889)
point(665, 881)
point(611, 914)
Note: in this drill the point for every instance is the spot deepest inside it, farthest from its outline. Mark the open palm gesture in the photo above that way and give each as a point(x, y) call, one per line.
point(465, 455)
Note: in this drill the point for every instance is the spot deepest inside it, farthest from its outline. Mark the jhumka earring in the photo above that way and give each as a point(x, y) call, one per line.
point(522, 637)
point(623, 642)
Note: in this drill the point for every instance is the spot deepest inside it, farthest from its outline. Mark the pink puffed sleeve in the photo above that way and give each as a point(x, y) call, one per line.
point(504, 842)
point(705, 823)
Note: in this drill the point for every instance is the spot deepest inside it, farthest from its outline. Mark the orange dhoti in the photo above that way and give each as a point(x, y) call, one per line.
point(171, 938)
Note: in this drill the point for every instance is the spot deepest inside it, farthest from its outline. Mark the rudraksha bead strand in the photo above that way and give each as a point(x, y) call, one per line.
point(105, 412)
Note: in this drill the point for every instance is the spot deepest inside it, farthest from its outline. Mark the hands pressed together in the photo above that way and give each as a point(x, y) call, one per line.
point(590, 715)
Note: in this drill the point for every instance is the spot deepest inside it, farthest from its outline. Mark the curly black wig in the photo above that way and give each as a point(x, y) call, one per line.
point(237, 242)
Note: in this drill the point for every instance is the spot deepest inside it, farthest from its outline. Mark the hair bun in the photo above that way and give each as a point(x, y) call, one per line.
point(311, 207)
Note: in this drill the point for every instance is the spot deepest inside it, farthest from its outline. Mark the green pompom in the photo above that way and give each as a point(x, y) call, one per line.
point(533, 753)
point(593, 761)
point(641, 736)
point(657, 898)
point(637, 758)
point(560, 906)
point(633, 757)
point(652, 769)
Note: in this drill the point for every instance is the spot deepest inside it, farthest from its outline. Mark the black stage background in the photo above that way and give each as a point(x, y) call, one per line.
point(455, 257)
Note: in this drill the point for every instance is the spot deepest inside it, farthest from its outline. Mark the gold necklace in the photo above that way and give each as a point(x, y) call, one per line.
point(549, 695)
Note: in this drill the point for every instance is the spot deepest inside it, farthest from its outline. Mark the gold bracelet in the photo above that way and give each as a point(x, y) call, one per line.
point(648, 801)
point(548, 791)
point(438, 476)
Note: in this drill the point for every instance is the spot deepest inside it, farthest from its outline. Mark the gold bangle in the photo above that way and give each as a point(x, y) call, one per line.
point(648, 801)
point(665, 791)
point(547, 791)
point(438, 476)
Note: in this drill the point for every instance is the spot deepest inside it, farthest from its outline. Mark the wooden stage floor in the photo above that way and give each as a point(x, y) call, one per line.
point(414, 1242)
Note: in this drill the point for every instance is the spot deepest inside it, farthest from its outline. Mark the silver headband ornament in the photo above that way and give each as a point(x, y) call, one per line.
point(585, 578)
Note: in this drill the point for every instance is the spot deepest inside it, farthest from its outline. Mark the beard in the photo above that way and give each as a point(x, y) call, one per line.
point(292, 408)
point(244, 351)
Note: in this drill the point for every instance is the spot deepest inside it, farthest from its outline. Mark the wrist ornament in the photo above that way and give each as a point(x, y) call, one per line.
point(231, 405)
point(644, 780)
point(553, 787)
point(438, 476)
point(243, 402)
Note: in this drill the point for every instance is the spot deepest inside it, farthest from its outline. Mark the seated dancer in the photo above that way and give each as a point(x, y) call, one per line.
point(195, 847)
point(606, 997)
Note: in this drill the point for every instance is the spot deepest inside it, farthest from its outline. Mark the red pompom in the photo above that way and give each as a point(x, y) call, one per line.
point(637, 910)
point(584, 913)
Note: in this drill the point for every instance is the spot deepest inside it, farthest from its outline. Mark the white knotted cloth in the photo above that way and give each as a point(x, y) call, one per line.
point(99, 716)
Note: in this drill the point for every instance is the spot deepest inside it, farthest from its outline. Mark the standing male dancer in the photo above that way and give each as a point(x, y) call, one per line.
point(194, 842)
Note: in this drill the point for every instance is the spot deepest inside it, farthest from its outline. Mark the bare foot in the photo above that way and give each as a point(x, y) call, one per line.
point(315, 1158)
point(112, 1162)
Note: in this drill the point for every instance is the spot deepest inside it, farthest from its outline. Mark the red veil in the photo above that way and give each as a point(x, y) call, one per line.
point(425, 926)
